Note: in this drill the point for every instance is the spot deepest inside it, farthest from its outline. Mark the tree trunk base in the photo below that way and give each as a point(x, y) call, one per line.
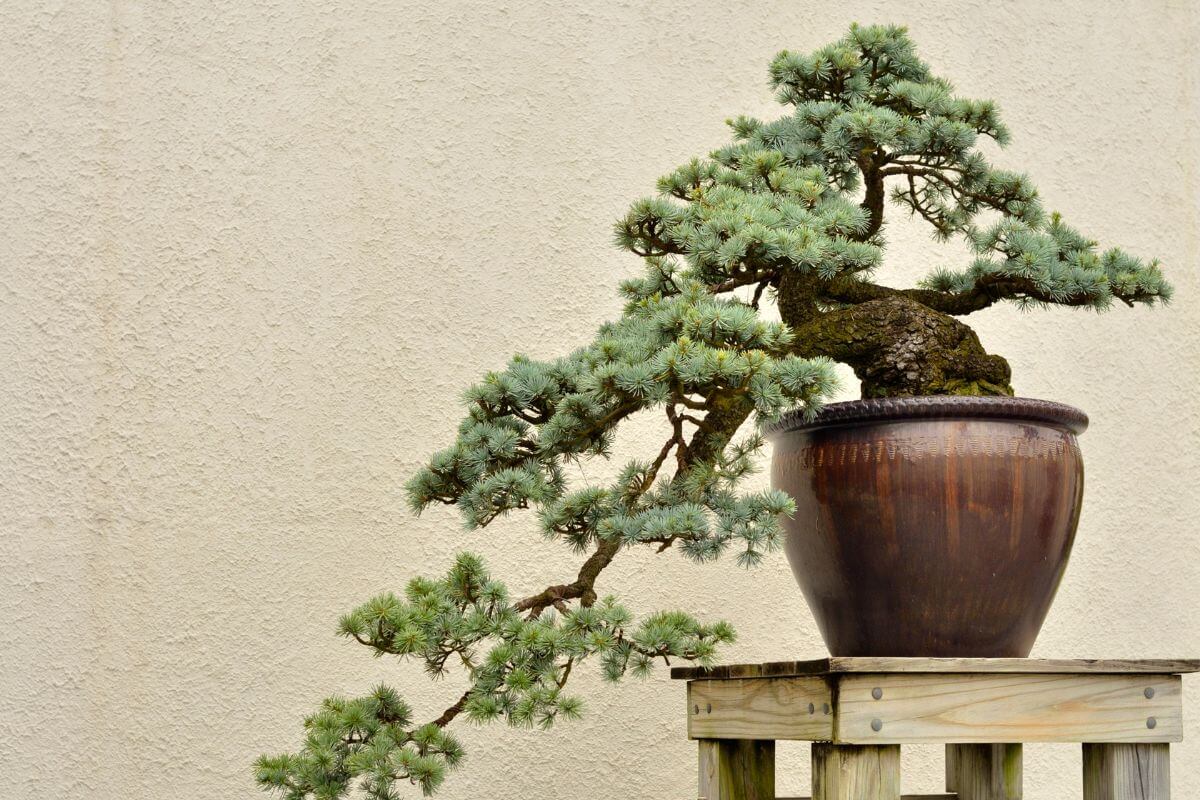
point(900, 348)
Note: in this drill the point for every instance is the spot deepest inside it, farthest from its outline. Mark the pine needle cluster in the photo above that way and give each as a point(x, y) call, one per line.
point(518, 663)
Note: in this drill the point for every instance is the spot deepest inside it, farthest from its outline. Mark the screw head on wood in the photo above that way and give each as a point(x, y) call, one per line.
point(1149, 692)
point(696, 709)
point(877, 693)
point(825, 707)
point(709, 709)
point(1151, 723)
point(812, 709)
point(876, 725)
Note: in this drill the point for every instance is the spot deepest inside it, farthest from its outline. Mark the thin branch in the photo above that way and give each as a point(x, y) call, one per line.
point(747, 279)
point(453, 711)
point(758, 293)
point(562, 681)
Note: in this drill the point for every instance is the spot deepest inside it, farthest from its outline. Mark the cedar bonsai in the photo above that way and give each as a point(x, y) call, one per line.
point(792, 210)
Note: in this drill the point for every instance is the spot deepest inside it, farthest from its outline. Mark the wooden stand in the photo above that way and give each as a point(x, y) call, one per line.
point(859, 711)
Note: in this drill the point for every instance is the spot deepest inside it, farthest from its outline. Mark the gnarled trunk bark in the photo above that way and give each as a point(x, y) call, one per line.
point(896, 346)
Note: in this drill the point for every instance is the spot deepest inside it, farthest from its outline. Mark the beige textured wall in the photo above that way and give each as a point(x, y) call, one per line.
point(251, 253)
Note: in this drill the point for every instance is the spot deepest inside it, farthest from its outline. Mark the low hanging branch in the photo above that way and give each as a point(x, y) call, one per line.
point(791, 210)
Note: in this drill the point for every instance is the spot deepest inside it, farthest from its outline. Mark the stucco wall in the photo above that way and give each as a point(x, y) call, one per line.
point(250, 253)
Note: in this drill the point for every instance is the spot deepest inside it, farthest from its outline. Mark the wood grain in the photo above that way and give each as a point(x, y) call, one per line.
point(999, 708)
point(984, 771)
point(1126, 772)
point(841, 772)
point(799, 707)
point(902, 797)
point(736, 770)
point(821, 666)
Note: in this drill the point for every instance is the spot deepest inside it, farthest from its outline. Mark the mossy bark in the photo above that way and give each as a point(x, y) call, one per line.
point(896, 346)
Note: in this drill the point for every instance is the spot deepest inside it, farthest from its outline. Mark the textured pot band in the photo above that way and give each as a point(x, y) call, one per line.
point(937, 407)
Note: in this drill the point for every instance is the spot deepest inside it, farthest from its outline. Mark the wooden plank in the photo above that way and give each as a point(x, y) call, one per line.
point(997, 708)
point(799, 707)
point(727, 671)
point(855, 772)
point(820, 666)
point(1126, 772)
point(902, 797)
point(984, 771)
point(709, 769)
point(1166, 666)
point(737, 770)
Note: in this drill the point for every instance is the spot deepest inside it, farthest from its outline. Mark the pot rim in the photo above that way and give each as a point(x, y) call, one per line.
point(898, 409)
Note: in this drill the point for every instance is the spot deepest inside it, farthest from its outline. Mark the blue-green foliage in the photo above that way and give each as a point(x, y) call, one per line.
point(367, 741)
point(518, 665)
point(1062, 264)
point(777, 198)
point(733, 227)
point(681, 349)
point(670, 348)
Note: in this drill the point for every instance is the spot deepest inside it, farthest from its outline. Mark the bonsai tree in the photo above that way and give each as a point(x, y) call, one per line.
point(791, 211)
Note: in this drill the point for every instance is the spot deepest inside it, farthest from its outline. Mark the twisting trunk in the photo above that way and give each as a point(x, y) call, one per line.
point(873, 196)
point(896, 346)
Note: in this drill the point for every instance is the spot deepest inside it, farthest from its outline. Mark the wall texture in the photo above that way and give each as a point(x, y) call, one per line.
point(252, 252)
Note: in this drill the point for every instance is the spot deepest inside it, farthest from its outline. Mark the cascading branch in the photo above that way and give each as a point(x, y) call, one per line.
point(791, 210)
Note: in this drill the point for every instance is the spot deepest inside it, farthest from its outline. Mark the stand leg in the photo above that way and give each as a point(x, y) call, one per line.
point(1126, 772)
point(984, 771)
point(737, 769)
point(856, 772)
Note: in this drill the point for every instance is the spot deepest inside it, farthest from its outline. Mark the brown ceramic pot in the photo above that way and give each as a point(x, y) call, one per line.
point(931, 526)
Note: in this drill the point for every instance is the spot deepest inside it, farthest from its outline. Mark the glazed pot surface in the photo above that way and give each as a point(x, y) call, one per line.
point(931, 526)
